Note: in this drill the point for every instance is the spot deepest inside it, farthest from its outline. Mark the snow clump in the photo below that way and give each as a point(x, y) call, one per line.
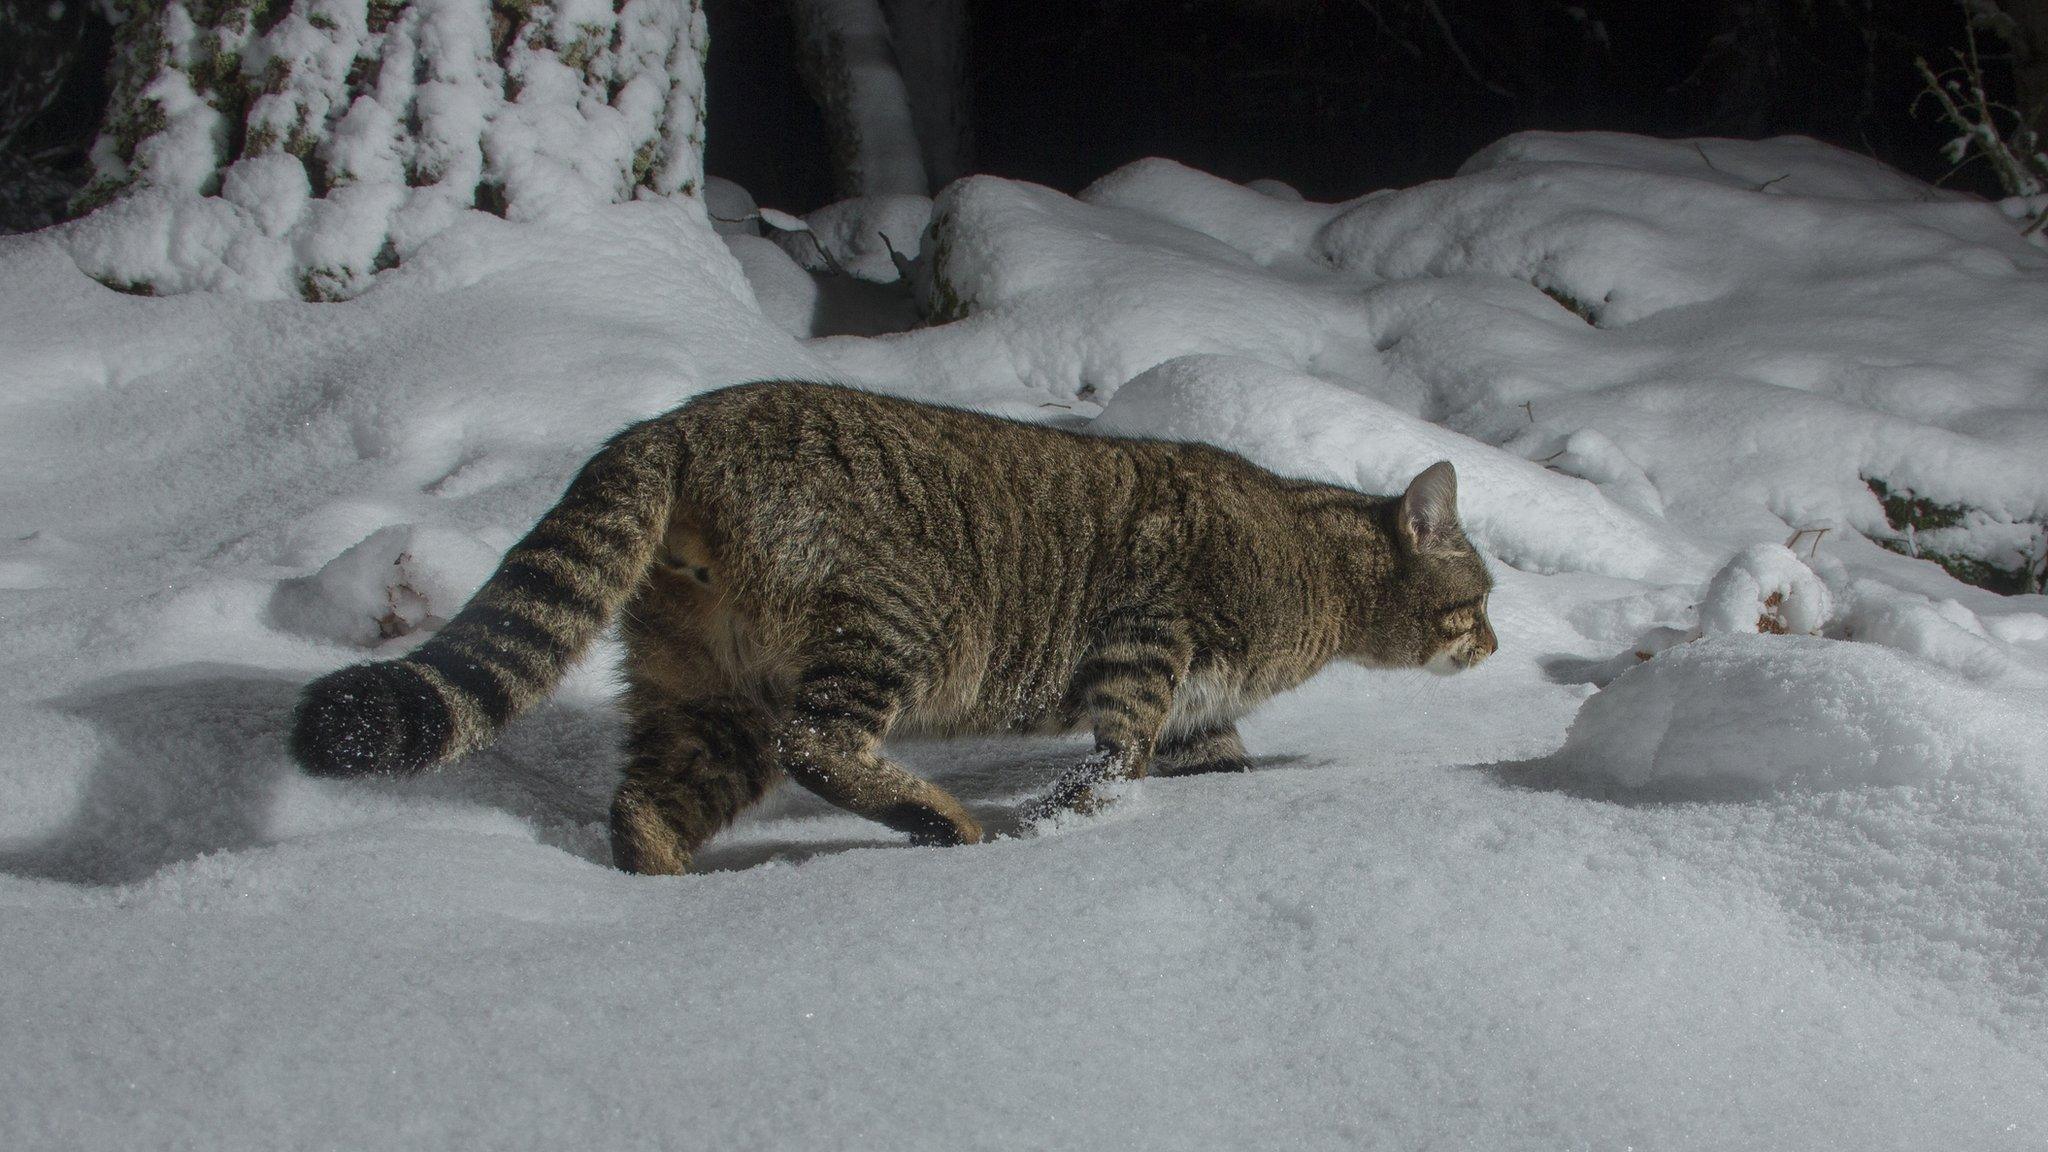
point(1765, 588)
point(398, 580)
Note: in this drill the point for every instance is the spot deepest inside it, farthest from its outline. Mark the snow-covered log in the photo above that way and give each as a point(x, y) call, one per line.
point(299, 147)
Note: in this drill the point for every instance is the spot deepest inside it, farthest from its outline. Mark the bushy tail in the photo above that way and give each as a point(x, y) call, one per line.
point(551, 595)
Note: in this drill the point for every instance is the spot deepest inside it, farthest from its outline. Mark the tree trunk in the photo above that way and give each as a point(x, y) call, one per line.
point(2023, 27)
point(849, 63)
point(930, 38)
point(302, 146)
point(36, 56)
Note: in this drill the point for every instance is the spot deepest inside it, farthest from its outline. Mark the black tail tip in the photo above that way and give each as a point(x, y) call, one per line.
point(370, 718)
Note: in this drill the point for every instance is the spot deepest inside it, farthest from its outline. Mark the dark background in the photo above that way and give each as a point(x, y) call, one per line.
point(1336, 97)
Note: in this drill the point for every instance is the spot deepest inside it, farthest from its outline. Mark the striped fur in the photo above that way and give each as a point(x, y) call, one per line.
point(801, 570)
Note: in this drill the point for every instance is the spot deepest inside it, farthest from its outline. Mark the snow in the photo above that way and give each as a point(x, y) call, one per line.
point(731, 208)
point(394, 581)
point(1515, 510)
point(854, 237)
point(1796, 712)
point(1242, 215)
point(1736, 843)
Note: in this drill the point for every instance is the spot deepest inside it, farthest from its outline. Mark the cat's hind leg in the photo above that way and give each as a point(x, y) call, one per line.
point(692, 767)
point(1213, 749)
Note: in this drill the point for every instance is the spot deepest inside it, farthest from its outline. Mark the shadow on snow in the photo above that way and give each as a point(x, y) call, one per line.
point(192, 760)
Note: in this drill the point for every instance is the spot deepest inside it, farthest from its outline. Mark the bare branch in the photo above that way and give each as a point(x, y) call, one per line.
point(1451, 40)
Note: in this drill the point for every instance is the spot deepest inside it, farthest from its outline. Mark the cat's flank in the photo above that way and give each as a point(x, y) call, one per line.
point(801, 570)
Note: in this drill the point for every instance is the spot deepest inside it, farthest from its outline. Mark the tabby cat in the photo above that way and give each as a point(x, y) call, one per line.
point(806, 569)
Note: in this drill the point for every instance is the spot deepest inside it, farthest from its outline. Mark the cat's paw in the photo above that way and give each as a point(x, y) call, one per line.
point(1065, 807)
point(934, 827)
point(1202, 767)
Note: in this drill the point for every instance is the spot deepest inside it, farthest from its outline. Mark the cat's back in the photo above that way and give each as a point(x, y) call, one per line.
point(777, 423)
point(804, 454)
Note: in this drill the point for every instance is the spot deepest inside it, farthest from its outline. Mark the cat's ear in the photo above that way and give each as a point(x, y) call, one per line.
point(1428, 516)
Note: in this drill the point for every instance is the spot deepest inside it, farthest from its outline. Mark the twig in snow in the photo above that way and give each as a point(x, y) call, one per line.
point(1801, 533)
point(832, 263)
point(902, 262)
point(1709, 162)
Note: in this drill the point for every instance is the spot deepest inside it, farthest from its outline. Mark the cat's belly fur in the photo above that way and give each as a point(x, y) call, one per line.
point(970, 701)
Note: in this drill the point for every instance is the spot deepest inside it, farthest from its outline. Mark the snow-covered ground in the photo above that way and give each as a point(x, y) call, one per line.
point(1733, 845)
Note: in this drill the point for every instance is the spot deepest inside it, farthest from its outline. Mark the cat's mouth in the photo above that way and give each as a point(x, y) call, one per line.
point(1449, 663)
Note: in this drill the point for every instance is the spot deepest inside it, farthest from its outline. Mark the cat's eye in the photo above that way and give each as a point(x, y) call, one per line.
point(1461, 617)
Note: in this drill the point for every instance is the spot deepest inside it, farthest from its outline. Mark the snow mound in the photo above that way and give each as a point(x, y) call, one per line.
point(731, 208)
point(1531, 518)
point(1749, 712)
point(1782, 165)
point(1625, 244)
point(1270, 228)
point(1072, 299)
point(1277, 189)
point(1940, 631)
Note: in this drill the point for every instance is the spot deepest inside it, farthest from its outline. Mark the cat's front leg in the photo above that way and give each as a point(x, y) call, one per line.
point(1125, 688)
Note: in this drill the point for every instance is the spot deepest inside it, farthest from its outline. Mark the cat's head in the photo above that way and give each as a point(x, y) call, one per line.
point(1427, 606)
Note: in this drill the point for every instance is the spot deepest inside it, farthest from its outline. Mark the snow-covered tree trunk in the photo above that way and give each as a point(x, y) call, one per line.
point(845, 51)
point(301, 146)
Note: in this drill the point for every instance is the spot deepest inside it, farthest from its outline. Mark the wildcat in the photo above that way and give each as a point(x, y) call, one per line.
point(800, 570)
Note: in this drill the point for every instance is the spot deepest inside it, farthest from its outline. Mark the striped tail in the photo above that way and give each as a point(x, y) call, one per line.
point(508, 647)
